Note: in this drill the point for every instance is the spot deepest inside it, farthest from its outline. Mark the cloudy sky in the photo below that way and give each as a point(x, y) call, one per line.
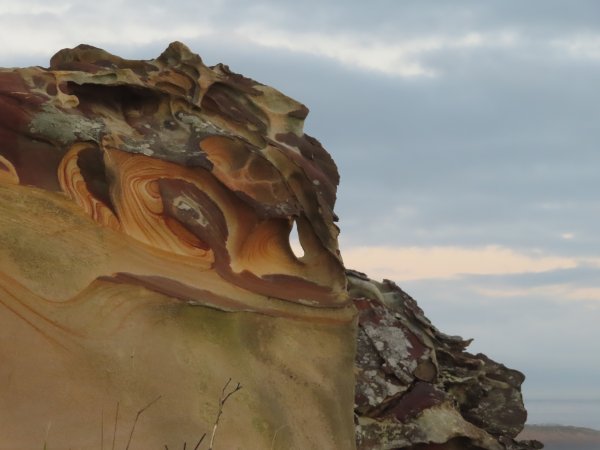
point(467, 136)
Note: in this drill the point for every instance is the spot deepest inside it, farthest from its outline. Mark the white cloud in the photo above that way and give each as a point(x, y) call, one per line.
point(388, 54)
point(125, 24)
point(35, 28)
point(414, 263)
point(585, 46)
point(558, 292)
point(393, 59)
point(584, 293)
point(25, 7)
point(26, 36)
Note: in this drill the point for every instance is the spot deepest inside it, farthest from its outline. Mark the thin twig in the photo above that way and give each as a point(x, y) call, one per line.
point(224, 397)
point(200, 442)
point(115, 430)
point(137, 416)
point(47, 432)
point(102, 429)
point(275, 435)
point(184, 445)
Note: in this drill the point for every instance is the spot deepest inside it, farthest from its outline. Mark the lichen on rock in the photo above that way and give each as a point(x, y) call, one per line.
point(145, 217)
point(145, 214)
point(418, 388)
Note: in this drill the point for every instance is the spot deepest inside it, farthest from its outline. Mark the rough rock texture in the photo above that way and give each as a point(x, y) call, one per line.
point(145, 218)
point(145, 213)
point(417, 388)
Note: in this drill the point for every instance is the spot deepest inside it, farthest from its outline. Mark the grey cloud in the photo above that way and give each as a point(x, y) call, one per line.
point(393, 18)
point(475, 154)
point(584, 276)
point(550, 339)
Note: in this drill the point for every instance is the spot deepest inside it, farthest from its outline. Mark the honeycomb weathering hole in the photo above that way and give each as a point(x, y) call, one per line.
point(295, 244)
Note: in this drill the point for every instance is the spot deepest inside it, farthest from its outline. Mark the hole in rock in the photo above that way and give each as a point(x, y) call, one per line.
point(295, 244)
point(131, 101)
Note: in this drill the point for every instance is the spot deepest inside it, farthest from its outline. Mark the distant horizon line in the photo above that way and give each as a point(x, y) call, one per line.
point(561, 399)
point(558, 425)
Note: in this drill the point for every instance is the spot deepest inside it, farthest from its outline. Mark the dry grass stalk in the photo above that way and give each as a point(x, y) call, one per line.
point(224, 397)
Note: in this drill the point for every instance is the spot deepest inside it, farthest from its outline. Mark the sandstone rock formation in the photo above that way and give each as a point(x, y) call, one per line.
point(145, 213)
point(145, 260)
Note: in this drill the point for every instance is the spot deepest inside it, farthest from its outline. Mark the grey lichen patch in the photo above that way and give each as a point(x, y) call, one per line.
point(147, 147)
point(63, 128)
point(165, 146)
point(199, 125)
point(386, 434)
point(394, 347)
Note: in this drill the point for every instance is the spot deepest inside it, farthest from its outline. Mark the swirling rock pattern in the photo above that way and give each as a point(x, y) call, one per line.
point(145, 218)
point(194, 161)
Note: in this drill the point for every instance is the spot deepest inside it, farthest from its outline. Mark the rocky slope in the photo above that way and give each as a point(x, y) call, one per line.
point(145, 214)
point(418, 388)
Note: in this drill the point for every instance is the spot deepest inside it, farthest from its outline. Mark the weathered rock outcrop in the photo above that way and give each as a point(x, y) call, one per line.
point(145, 215)
point(417, 388)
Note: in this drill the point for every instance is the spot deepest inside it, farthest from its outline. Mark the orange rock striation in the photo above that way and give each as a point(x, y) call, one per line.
point(145, 217)
point(192, 161)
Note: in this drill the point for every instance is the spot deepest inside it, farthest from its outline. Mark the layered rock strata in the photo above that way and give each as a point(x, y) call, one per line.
point(145, 260)
point(145, 214)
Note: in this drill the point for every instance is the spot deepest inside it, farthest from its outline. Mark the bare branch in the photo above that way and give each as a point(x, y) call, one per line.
point(139, 413)
point(115, 429)
point(224, 397)
point(102, 429)
point(200, 442)
point(237, 388)
point(224, 388)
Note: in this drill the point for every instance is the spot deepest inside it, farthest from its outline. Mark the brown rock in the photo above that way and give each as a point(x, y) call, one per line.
point(145, 213)
point(418, 388)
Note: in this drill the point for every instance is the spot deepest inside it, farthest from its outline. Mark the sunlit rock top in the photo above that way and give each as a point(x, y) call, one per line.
point(203, 167)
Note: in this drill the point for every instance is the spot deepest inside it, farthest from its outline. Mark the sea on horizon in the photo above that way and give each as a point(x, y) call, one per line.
point(571, 412)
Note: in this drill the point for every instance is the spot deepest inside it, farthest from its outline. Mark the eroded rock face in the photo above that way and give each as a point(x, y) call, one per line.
point(196, 162)
point(145, 218)
point(417, 388)
point(145, 214)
